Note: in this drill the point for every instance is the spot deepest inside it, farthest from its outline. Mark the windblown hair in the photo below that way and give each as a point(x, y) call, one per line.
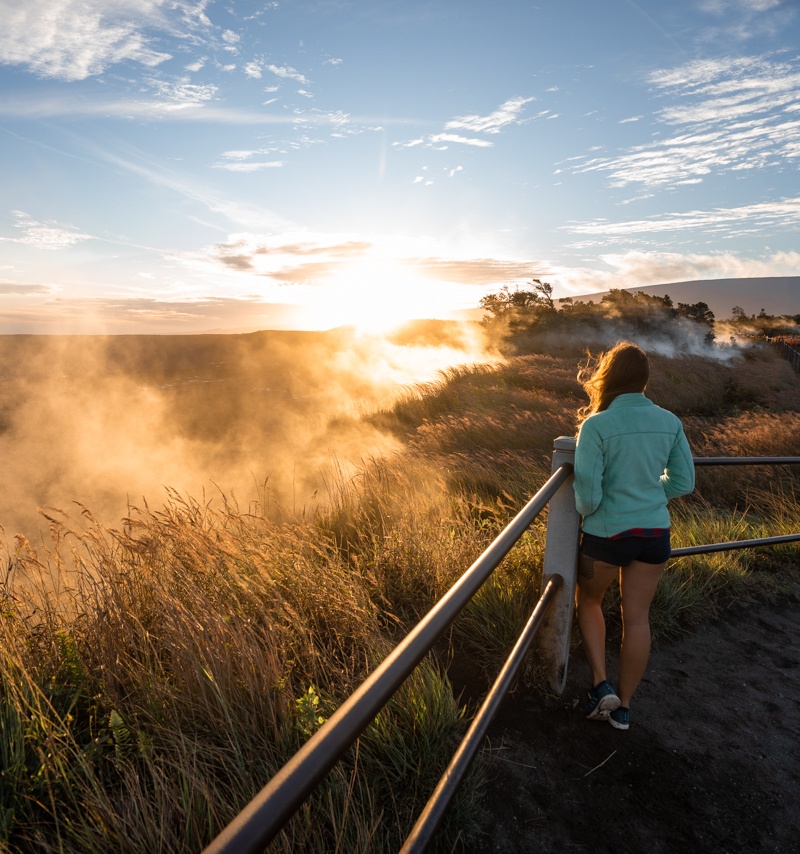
point(621, 370)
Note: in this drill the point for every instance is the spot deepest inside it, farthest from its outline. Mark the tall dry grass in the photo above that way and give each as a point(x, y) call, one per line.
point(156, 674)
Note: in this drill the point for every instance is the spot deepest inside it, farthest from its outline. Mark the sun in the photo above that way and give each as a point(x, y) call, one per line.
point(375, 295)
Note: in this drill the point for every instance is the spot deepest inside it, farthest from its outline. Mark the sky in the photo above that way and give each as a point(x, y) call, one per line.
point(183, 166)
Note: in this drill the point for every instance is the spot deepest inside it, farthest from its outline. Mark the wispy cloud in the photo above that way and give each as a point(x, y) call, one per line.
point(783, 213)
point(638, 269)
point(287, 73)
point(23, 289)
point(742, 20)
point(177, 103)
point(241, 213)
point(75, 39)
point(477, 271)
point(732, 114)
point(443, 138)
point(250, 165)
point(281, 259)
point(182, 93)
point(44, 235)
point(507, 113)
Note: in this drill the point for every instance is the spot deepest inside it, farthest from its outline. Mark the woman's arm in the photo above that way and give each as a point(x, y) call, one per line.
point(589, 467)
point(678, 477)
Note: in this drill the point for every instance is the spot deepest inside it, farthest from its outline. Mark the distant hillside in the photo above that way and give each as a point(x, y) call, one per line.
point(777, 295)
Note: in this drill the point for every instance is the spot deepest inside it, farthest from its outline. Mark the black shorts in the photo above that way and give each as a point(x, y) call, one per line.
point(626, 549)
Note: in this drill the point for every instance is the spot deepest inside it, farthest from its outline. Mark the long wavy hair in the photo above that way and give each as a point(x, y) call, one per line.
point(621, 370)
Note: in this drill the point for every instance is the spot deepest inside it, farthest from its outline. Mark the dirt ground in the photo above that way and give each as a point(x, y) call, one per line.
point(711, 762)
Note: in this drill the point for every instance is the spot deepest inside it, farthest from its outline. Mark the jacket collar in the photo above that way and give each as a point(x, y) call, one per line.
point(635, 398)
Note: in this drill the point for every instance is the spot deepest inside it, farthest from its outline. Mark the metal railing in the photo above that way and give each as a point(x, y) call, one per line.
point(789, 349)
point(739, 544)
point(264, 817)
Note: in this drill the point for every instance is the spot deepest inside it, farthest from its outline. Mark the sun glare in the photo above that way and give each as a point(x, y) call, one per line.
point(375, 296)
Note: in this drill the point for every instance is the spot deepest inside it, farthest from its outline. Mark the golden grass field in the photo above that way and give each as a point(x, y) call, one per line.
point(157, 669)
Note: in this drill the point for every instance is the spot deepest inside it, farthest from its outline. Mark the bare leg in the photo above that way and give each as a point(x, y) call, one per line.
point(594, 578)
point(637, 588)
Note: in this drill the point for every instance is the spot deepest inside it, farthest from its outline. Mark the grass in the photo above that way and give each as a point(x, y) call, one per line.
point(156, 674)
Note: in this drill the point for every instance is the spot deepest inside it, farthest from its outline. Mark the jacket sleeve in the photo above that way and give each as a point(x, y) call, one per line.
point(589, 468)
point(678, 477)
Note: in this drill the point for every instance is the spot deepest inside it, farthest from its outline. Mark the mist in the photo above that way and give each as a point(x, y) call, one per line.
point(107, 423)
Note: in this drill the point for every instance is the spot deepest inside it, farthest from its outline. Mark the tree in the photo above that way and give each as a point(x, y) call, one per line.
point(506, 300)
point(738, 314)
point(520, 302)
point(544, 292)
point(699, 312)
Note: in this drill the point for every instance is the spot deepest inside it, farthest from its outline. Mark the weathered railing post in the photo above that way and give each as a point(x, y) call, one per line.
point(560, 558)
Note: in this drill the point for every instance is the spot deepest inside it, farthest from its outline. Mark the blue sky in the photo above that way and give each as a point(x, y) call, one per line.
point(191, 166)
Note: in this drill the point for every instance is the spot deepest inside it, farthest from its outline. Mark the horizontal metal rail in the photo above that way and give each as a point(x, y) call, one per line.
point(431, 817)
point(739, 544)
point(262, 819)
point(787, 348)
point(746, 461)
point(734, 544)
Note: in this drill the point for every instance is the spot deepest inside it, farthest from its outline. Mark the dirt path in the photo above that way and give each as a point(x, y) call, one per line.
point(711, 762)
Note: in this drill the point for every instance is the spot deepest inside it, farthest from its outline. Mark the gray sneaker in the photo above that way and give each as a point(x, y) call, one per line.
point(603, 700)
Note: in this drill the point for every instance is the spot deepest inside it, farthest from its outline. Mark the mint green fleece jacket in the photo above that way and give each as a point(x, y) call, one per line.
point(629, 461)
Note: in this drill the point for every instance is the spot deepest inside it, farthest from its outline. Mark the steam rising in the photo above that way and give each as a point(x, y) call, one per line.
point(111, 422)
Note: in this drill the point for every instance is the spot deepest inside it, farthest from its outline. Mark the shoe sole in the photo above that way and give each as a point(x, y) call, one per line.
point(605, 705)
point(618, 725)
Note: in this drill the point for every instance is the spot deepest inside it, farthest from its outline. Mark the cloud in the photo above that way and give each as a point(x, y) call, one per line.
point(251, 166)
point(477, 271)
point(76, 39)
point(507, 113)
point(731, 114)
point(312, 273)
point(286, 72)
point(639, 269)
point(742, 20)
point(231, 38)
point(255, 253)
point(20, 289)
point(241, 213)
point(312, 261)
point(43, 235)
point(180, 94)
point(783, 213)
point(178, 102)
point(439, 138)
point(413, 143)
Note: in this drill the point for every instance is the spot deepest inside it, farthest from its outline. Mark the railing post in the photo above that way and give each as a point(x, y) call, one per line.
point(560, 558)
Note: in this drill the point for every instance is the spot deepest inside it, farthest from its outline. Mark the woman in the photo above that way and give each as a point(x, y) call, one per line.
point(631, 457)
